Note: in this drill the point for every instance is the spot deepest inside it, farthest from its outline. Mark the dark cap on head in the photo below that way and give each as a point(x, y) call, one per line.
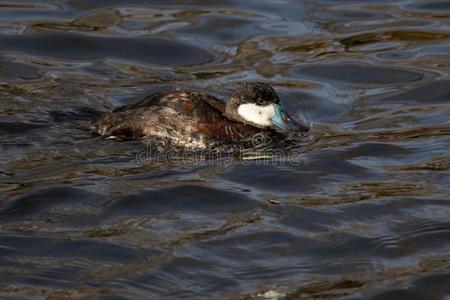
point(260, 93)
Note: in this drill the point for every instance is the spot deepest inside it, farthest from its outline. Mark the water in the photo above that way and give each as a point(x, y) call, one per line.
point(361, 210)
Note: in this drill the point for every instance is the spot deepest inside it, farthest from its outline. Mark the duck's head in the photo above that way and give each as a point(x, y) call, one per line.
point(257, 104)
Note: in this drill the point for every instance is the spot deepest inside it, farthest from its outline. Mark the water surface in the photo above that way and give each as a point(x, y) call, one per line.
point(360, 209)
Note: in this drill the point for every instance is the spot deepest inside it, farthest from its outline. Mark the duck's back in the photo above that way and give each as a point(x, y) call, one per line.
point(190, 120)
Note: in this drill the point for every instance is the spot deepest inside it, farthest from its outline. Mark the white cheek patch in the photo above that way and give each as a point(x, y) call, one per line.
point(256, 114)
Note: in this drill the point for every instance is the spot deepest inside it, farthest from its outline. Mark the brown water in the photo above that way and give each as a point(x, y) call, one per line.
point(361, 211)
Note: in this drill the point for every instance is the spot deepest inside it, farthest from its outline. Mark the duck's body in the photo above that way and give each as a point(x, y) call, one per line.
point(191, 119)
point(184, 119)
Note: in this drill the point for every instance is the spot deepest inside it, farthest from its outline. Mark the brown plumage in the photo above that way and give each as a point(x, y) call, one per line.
point(187, 119)
point(191, 120)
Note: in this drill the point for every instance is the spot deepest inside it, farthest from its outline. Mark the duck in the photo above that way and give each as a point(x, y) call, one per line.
point(195, 120)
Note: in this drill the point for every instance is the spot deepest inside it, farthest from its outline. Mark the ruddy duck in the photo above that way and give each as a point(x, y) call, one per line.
point(198, 121)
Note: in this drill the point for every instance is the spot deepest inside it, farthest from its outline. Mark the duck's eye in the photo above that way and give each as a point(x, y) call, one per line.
point(259, 101)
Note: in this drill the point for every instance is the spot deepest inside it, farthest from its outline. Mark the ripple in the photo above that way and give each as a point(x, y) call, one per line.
point(430, 233)
point(438, 7)
point(38, 202)
point(178, 278)
point(347, 15)
point(401, 294)
point(358, 74)
point(12, 70)
point(264, 249)
point(392, 39)
point(15, 128)
point(437, 283)
point(431, 93)
point(223, 29)
point(286, 177)
point(91, 5)
point(30, 246)
point(71, 46)
point(13, 10)
point(181, 198)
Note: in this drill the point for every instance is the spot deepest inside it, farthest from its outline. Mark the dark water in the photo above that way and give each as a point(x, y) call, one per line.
point(362, 210)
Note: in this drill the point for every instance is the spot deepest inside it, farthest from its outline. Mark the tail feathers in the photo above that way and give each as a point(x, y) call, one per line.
point(114, 128)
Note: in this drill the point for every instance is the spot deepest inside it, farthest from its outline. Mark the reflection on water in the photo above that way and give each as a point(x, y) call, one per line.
point(365, 213)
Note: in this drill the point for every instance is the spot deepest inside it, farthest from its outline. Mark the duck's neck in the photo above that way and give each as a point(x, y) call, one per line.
point(231, 111)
